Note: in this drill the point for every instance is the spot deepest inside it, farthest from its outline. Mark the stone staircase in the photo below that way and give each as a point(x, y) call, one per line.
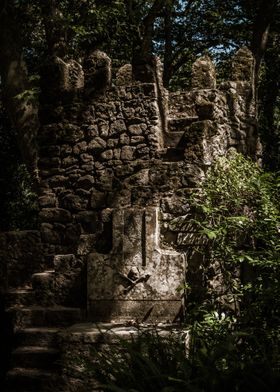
point(37, 321)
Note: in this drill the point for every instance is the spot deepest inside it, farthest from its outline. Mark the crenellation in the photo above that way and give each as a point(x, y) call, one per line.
point(203, 73)
point(116, 163)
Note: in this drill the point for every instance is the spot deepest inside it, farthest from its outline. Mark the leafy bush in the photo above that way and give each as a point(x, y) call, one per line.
point(213, 361)
point(18, 201)
point(238, 206)
point(235, 330)
point(21, 203)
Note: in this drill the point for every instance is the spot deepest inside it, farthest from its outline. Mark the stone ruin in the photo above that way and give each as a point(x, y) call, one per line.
point(117, 163)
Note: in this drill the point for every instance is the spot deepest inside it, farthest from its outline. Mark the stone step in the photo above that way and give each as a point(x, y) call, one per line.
point(43, 336)
point(29, 380)
point(43, 283)
point(35, 357)
point(20, 296)
point(43, 280)
point(39, 316)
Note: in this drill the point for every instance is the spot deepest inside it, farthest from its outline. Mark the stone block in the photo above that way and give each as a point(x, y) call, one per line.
point(127, 153)
point(97, 144)
point(97, 68)
point(137, 276)
point(135, 129)
point(117, 127)
point(47, 200)
point(55, 215)
point(80, 148)
point(69, 161)
point(49, 234)
point(107, 155)
point(124, 75)
point(73, 202)
point(203, 73)
point(124, 139)
point(71, 235)
point(243, 65)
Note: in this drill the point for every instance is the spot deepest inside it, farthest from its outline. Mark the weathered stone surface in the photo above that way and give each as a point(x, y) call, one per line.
point(86, 244)
point(73, 203)
point(107, 155)
point(49, 235)
point(135, 129)
point(97, 68)
point(127, 153)
point(203, 73)
point(81, 342)
point(117, 127)
point(114, 155)
point(124, 75)
point(72, 75)
point(137, 270)
point(80, 148)
point(47, 200)
point(243, 65)
point(55, 215)
point(97, 144)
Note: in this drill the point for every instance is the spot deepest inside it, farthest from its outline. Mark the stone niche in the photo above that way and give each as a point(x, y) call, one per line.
point(137, 280)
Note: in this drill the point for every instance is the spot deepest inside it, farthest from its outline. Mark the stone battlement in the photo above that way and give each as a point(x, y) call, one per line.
point(108, 150)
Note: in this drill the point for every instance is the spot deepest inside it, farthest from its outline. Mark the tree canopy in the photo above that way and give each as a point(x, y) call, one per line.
point(134, 31)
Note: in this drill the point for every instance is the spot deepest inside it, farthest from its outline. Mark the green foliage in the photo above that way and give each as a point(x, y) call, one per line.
point(234, 332)
point(18, 201)
point(238, 206)
point(143, 363)
point(20, 204)
point(211, 358)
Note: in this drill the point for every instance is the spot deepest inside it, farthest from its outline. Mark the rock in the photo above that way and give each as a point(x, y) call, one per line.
point(97, 68)
point(47, 200)
point(135, 129)
point(107, 155)
point(80, 148)
point(127, 153)
point(117, 127)
point(73, 202)
point(243, 65)
point(85, 182)
point(55, 215)
point(203, 73)
point(97, 144)
point(124, 75)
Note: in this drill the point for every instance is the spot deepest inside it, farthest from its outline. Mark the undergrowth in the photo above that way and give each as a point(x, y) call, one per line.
point(234, 330)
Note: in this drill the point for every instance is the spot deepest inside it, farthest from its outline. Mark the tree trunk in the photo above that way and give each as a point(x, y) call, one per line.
point(143, 59)
point(56, 34)
point(22, 111)
point(167, 61)
point(262, 22)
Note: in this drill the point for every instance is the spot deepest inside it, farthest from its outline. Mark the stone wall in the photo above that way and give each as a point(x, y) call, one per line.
point(117, 163)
